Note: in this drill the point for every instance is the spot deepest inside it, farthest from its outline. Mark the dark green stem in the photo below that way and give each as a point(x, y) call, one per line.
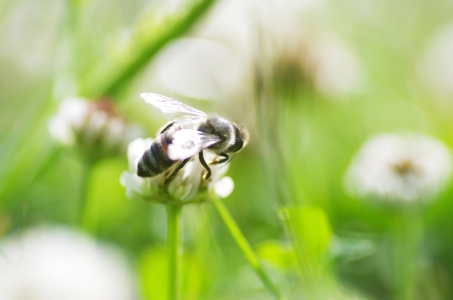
point(175, 250)
point(138, 61)
point(247, 249)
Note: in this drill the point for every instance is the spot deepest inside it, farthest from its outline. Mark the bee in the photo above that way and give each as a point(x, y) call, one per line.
point(190, 133)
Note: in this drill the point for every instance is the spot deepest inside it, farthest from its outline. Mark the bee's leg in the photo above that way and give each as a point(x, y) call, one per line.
point(177, 169)
point(222, 160)
point(205, 165)
point(167, 127)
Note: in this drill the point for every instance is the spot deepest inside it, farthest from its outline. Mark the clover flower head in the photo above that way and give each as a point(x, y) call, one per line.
point(95, 127)
point(58, 263)
point(187, 186)
point(401, 168)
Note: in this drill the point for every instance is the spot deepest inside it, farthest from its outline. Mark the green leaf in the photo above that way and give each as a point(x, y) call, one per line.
point(278, 254)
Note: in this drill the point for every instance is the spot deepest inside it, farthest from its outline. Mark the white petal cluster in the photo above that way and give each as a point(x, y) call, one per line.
point(400, 168)
point(187, 186)
point(93, 126)
point(57, 263)
point(69, 118)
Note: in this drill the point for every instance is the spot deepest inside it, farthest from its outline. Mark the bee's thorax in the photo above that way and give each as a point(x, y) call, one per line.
point(221, 128)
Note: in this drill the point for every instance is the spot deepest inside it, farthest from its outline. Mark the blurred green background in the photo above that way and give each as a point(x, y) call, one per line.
point(257, 62)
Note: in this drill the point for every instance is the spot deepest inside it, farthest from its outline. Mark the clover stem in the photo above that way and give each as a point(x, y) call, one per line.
point(406, 246)
point(83, 191)
point(175, 250)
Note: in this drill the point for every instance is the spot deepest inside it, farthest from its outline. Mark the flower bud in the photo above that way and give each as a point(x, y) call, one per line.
point(95, 128)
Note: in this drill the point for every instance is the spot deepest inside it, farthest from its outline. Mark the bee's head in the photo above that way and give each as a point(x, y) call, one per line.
point(241, 138)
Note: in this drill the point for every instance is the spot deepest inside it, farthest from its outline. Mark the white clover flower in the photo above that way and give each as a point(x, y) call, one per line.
point(400, 168)
point(58, 263)
point(187, 186)
point(94, 127)
point(437, 64)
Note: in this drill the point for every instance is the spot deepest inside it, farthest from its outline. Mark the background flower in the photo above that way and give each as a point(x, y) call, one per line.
point(437, 64)
point(400, 167)
point(95, 127)
point(58, 263)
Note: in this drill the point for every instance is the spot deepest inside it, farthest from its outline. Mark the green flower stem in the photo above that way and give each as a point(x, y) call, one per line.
point(175, 250)
point(408, 230)
point(83, 191)
point(138, 61)
point(246, 249)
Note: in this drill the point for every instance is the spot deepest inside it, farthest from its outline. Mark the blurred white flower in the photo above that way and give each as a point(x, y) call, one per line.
point(69, 118)
point(199, 69)
point(187, 186)
point(233, 23)
point(95, 127)
point(400, 168)
point(308, 55)
point(437, 65)
point(57, 263)
point(316, 59)
point(335, 68)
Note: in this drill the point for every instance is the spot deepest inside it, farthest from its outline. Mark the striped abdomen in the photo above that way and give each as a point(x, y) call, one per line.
point(155, 160)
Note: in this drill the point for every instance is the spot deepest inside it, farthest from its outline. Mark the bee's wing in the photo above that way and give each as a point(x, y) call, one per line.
point(172, 108)
point(188, 142)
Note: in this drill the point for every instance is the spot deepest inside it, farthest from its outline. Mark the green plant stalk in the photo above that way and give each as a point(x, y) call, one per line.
point(408, 230)
point(139, 61)
point(246, 249)
point(83, 191)
point(175, 250)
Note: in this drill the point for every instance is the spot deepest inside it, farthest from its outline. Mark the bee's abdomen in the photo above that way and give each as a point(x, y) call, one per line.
point(155, 160)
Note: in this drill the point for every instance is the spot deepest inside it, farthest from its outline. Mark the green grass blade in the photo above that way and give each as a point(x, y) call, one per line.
point(246, 249)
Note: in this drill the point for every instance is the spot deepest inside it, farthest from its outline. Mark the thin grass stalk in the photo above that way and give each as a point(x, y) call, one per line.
point(247, 249)
point(138, 62)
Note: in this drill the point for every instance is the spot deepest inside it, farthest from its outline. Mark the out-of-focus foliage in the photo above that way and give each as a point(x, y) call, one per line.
point(312, 81)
